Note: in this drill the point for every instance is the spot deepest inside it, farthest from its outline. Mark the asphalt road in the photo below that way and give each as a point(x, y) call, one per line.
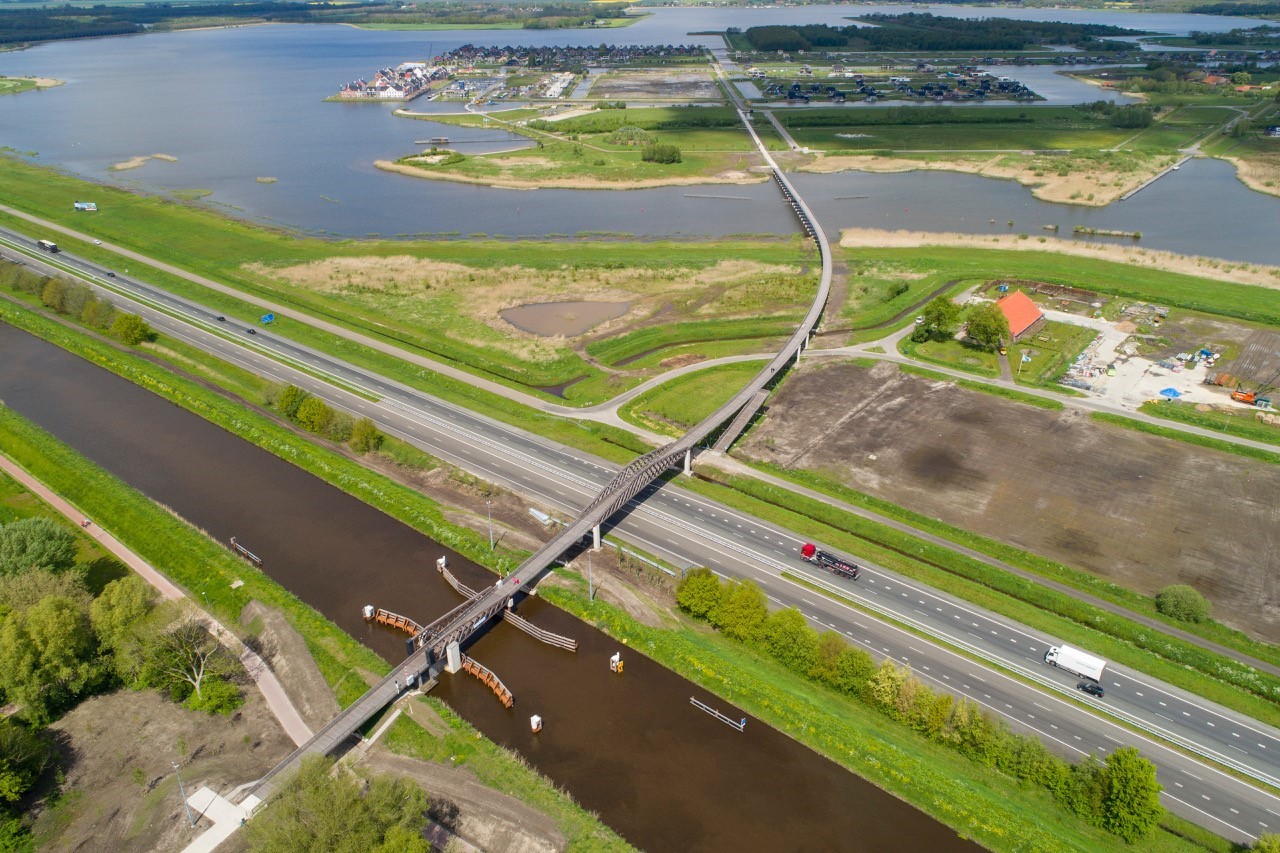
point(689, 530)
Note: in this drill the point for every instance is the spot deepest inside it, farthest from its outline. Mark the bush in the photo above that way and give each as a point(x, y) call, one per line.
point(1182, 602)
point(629, 135)
point(218, 696)
point(289, 400)
point(132, 329)
point(314, 414)
point(660, 152)
point(365, 436)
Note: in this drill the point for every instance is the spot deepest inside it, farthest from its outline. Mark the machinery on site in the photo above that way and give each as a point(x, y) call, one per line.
point(1076, 662)
point(810, 553)
point(1258, 396)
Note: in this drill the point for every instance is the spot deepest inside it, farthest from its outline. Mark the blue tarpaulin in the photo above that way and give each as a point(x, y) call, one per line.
point(1171, 393)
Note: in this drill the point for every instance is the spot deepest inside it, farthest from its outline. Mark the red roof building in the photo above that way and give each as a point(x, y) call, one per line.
point(1020, 311)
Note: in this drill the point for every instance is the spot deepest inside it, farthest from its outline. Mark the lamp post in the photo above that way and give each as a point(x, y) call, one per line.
point(488, 505)
point(591, 580)
point(190, 817)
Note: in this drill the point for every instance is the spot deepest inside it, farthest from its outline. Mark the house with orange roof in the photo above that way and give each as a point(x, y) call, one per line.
point(1024, 316)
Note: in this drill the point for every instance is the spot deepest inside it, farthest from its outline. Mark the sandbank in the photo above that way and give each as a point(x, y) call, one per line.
point(1093, 187)
point(506, 183)
point(1214, 268)
point(141, 160)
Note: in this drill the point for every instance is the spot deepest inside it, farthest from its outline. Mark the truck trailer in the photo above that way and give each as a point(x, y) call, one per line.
point(810, 553)
point(1076, 662)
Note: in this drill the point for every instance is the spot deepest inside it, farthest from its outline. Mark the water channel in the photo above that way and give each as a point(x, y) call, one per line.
point(663, 774)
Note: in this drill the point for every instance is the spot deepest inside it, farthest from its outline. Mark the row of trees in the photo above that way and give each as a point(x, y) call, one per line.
point(77, 300)
point(1120, 795)
point(925, 32)
point(315, 415)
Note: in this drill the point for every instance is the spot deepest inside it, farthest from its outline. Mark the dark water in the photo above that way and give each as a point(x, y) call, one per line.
point(632, 748)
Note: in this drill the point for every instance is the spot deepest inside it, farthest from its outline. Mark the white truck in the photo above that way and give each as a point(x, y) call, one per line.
point(1076, 662)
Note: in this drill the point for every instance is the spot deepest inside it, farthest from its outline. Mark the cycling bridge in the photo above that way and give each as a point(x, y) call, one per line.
point(431, 644)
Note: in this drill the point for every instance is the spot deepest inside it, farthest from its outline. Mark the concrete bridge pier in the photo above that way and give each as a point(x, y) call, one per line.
point(454, 658)
point(688, 462)
point(595, 538)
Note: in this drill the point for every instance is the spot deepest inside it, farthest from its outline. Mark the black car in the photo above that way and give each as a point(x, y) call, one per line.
point(1092, 688)
point(221, 319)
point(111, 275)
point(251, 331)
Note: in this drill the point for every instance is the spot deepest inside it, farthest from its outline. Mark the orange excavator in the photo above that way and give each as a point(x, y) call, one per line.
point(1258, 397)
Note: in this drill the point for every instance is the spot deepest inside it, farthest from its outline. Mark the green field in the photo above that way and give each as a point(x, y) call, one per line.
point(14, 85)
point(1240, 423)
point(1052, 349)
point(435, 324)
point(684, 402)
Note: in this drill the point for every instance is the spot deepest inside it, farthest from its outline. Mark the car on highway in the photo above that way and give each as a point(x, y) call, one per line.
point(221, 319)
point(111, 275)
point(251, 331)
point(1092, 688)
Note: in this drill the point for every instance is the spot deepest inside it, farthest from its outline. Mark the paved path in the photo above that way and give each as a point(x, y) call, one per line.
point(227, 817)
point(272, 691)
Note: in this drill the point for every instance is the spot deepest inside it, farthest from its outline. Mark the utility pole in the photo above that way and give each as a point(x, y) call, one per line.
point(190, 817)
point(591, 580)
point(488, 505)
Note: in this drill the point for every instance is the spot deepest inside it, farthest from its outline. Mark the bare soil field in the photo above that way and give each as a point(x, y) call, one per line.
point(688, 85)
point(285, 651)
point(118, 752)
point(1142, 511)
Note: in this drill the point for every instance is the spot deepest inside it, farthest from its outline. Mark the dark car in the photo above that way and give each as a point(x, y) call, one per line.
point(252, 331)
point(111, 275)
point(221, 319)
point(1092, 688)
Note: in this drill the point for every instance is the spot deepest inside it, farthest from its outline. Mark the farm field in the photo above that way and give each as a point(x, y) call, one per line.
point(983, 463)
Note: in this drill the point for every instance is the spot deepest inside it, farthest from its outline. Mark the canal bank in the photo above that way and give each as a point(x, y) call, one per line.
point(629, 748)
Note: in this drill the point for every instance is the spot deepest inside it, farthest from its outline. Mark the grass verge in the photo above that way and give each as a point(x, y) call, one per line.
point(985, 388)
point(1242, 425)
point(1270, 456)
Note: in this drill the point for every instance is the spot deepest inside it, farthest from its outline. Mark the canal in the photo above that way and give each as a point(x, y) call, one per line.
point(632, 749)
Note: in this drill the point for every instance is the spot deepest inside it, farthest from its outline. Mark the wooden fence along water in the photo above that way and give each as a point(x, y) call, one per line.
point(490, 680)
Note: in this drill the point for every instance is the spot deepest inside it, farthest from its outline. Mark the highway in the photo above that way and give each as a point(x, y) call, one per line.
point(688, 530)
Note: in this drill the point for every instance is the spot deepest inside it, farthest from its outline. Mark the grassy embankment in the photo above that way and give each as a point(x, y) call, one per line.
point(1269, 456)
point(981, 803)
point(1065, 154)
point(582, 152)
point(14, 85)
point(908, 767)
point(443, 322)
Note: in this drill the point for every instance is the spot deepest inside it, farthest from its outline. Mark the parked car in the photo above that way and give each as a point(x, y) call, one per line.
point(1092, 688)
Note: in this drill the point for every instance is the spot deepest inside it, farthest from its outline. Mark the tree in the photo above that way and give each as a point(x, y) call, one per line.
point(24, 756)
point(987, 325)
point(699, 592)
point(53, 294)
point(291, 397)
point(24, 590)
point(853, 669)
point(185, 660)
point(1131, 801)
point(1241, 78)
point(941, 316)
point(131, 329)
point(340, 426)
point(365, 436)
point(790, 640)
point(115, 616)
point(314, 414)
point(1180, 601)
point(742, 611)
point(318, 810)
point(46, 656)
point(884, 684)
point(35, 543)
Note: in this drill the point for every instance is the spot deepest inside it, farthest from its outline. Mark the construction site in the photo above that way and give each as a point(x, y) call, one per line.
point(1136, 509)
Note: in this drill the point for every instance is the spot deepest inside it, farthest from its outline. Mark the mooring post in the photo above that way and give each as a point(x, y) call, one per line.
point(595, 538)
